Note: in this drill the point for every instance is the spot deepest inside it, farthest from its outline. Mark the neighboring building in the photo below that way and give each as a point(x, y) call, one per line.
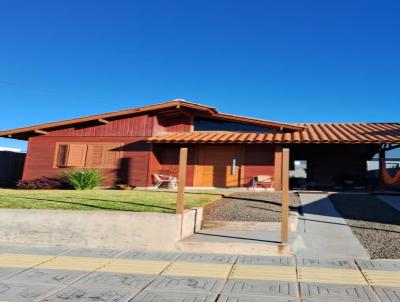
point(10, 149)
point(11, 166)
point(224, 150)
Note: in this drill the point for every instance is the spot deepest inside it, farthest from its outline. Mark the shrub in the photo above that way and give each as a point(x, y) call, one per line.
point(86, 179)
point(44, 183)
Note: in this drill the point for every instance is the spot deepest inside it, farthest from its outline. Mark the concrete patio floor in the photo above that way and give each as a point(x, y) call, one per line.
point(61, 274)
point(323, 232)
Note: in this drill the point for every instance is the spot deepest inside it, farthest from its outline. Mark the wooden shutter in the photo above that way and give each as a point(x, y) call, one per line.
point(104, 156)
point(95, 156)
point(62, 154)
point(111, 155)
point(76, 155)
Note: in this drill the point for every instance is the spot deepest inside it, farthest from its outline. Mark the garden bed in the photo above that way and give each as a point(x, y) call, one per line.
point(117, 200)
point(375, 224)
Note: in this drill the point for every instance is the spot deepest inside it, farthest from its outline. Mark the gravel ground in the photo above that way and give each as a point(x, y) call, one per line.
point(376, 224)
point(249, 206)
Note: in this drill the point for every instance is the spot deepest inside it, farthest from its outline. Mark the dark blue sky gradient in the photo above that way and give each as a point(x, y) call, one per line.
point(291, 61)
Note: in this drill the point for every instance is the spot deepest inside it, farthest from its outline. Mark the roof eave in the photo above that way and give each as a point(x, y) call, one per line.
point(25, 132)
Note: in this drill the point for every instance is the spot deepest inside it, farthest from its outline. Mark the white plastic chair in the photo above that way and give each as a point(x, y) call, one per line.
point(262, 180)
point(161, 179)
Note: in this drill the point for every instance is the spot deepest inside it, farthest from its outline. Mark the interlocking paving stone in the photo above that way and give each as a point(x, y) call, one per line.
point(74, 263)
point(342, 264)
point(387, 265)
point(22, 292)
point(92, 294)
point(208, 258)
point(148, 255)
point(330, 275)
point(42, 250)
point(9, 249)
point(238, 298)
point(186, 284)
point(97, 253)
point(331, 300)
point(23, 260)
point(153, 296)
point(265, 260)
point(135, 266)
point(383, 278)
point(263, 272)
point(115, 280)
point(336, 292)
point(207, 270)
point(46, 276)
point(9, 271)
point(388, 294)
point(264, 288)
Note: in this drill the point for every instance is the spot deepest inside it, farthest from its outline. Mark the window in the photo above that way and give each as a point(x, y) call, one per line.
point(62, 155)
point(92, 155)
point(207, 124)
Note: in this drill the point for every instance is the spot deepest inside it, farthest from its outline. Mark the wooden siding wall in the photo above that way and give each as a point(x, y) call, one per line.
point(133, 168)
point(11, 166)
point(168, 159)
point(163, 124)
point(141, 125)
point(138, 162)
point(259, 160)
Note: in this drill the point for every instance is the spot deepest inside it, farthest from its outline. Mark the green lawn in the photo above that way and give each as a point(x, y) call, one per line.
point(120, 200)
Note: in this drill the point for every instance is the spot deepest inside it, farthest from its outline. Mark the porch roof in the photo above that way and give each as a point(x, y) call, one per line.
point(340, 133)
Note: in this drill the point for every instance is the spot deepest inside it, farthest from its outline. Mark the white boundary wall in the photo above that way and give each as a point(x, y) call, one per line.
point(97, 229)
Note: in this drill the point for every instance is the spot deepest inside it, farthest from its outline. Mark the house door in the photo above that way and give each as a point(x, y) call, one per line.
point(217, 166)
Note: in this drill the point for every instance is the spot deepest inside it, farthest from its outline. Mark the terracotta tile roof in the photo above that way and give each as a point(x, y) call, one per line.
point(346, 133)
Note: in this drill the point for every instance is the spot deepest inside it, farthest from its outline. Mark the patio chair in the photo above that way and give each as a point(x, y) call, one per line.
point(162, 179)
point(262, 180)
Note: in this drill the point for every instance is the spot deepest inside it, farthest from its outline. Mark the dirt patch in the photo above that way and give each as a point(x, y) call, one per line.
point(375, 223)
point(249, 206)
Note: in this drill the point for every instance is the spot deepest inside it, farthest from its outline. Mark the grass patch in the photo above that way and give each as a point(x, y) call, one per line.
point(116, 200)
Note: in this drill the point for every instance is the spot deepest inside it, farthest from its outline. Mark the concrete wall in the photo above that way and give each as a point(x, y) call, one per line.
point(96, 229)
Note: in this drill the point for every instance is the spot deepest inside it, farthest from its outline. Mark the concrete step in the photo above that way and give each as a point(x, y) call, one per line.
point(245, 242)
point(206, 244)
point(251, 225)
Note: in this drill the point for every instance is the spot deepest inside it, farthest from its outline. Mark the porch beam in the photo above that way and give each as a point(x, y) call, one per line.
point(38, 131)
point(103, 121)
point(381, 163)
point(285, 197)
point(183, 154)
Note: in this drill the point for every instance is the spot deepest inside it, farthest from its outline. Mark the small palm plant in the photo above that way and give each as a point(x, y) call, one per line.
point(85, 179)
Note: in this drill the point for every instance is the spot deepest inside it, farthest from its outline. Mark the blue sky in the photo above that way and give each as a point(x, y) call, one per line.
point(293, 61)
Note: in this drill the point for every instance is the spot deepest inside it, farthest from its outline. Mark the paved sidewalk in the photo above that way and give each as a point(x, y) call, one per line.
point(323, 232)
point(392, 200)
point(61, 274)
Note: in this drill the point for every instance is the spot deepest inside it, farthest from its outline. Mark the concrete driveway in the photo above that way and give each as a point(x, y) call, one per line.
point(61, 274)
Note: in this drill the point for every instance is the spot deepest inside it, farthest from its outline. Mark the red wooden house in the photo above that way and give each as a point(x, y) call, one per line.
point(224, 150)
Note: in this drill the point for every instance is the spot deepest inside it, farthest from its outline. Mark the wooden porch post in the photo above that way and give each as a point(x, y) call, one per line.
point(381, 163)
point(278, 168)
point(181, 180)
point(285, 197)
